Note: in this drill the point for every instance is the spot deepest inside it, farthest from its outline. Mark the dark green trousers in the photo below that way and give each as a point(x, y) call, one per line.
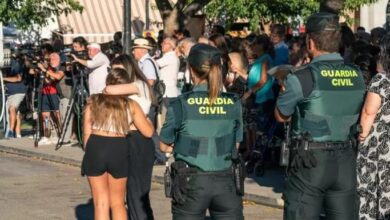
point(216, 193)
point(330, 187)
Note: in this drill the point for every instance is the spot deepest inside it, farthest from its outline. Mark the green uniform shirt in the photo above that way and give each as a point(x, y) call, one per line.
point(289, 99)
point(168, 131)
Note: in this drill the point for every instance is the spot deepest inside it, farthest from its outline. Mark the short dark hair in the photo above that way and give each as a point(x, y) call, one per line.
point(218, 29)
point(118, 36)
point(278, 29)
point(377, 35)
point(360, 28)
point(80, 40)
point(47, 48)
point(322, 40)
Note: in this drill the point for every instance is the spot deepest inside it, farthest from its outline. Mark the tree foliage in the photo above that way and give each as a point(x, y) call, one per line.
point(25, 13)
point(266, 11)
point(354, 4)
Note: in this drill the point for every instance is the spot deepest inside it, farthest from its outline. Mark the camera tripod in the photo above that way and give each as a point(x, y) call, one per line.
point(75, 105)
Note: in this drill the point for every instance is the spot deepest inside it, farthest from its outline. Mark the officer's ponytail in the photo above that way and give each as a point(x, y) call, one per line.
point(214, 82)
point(212, 73)
point(205, 62)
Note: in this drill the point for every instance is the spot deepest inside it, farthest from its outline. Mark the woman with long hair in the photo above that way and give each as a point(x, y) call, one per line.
point(219, 41)
point(202, 129)
point(141, 148)
point(259, 99)
point(374, 153)
point(138, 88)
point(107, 120)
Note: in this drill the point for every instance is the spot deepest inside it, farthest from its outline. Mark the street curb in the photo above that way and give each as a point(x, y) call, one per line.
point(42, 156)
point(259, 199)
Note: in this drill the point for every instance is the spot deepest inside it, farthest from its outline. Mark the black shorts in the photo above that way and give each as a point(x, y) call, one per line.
point(106, 154)
point(50, 102)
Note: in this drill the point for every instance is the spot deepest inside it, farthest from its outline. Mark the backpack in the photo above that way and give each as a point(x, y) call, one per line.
point(158, 88)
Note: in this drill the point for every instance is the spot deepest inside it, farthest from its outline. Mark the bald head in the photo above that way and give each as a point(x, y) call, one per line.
point(55, 60)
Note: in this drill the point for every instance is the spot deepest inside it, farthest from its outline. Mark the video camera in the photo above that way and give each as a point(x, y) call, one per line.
point(83, 54)
point(32, 58)
point(75, 68)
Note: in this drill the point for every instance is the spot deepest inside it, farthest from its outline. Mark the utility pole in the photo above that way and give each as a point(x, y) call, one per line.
point(127, 26)
point(147, 19)
point(1, 46)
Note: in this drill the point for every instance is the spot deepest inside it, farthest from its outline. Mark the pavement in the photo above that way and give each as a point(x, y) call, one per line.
point(266, 190)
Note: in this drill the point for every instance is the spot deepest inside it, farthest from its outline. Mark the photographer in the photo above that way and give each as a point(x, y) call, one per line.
point(16, 91)
point(79, 48)
point(79, 44)
point(51, 72)
point(72, 74)
point(98, 65)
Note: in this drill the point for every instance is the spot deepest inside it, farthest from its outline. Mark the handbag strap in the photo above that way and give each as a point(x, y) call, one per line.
point(155, 68)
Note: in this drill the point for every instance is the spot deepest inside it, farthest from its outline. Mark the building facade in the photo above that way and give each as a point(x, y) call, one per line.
point(373, 15)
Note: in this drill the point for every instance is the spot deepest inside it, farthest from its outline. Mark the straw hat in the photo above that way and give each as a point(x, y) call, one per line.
point(141, 43)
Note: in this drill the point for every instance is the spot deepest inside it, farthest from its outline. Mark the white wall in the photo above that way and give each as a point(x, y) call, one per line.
point(373, 15)
point(52, 25)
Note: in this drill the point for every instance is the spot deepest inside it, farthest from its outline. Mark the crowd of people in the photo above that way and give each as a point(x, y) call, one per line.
point(198, 98)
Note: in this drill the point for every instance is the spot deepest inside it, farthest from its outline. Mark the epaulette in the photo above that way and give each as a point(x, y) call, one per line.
point(300, 69)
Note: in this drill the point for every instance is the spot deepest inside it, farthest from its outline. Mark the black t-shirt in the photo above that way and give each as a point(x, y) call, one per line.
point(16, 87)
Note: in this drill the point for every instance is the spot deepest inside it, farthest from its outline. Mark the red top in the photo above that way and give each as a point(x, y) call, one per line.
point(49, 88)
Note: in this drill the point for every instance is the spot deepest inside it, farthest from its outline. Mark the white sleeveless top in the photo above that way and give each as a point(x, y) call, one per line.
point(143, 98)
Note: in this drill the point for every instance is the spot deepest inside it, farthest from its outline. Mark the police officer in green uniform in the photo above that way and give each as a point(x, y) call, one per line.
point(202, 129)
point(323, 101)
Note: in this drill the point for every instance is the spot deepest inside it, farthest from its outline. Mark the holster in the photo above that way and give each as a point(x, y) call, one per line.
point(355, 130)
point(301, 157)
point(168, 182)
point(180, 171)
point(284, 154)
point(239, 174)
point(285, 148)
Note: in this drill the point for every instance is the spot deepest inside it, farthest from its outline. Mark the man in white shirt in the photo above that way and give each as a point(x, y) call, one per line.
point(169, 65)
point(99, 65)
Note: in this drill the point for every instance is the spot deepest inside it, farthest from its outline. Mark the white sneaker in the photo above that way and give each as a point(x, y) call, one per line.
point(44, 141)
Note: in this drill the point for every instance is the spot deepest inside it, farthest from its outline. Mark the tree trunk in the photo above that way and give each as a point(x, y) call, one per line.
point(181, 11)
point(164, 7)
